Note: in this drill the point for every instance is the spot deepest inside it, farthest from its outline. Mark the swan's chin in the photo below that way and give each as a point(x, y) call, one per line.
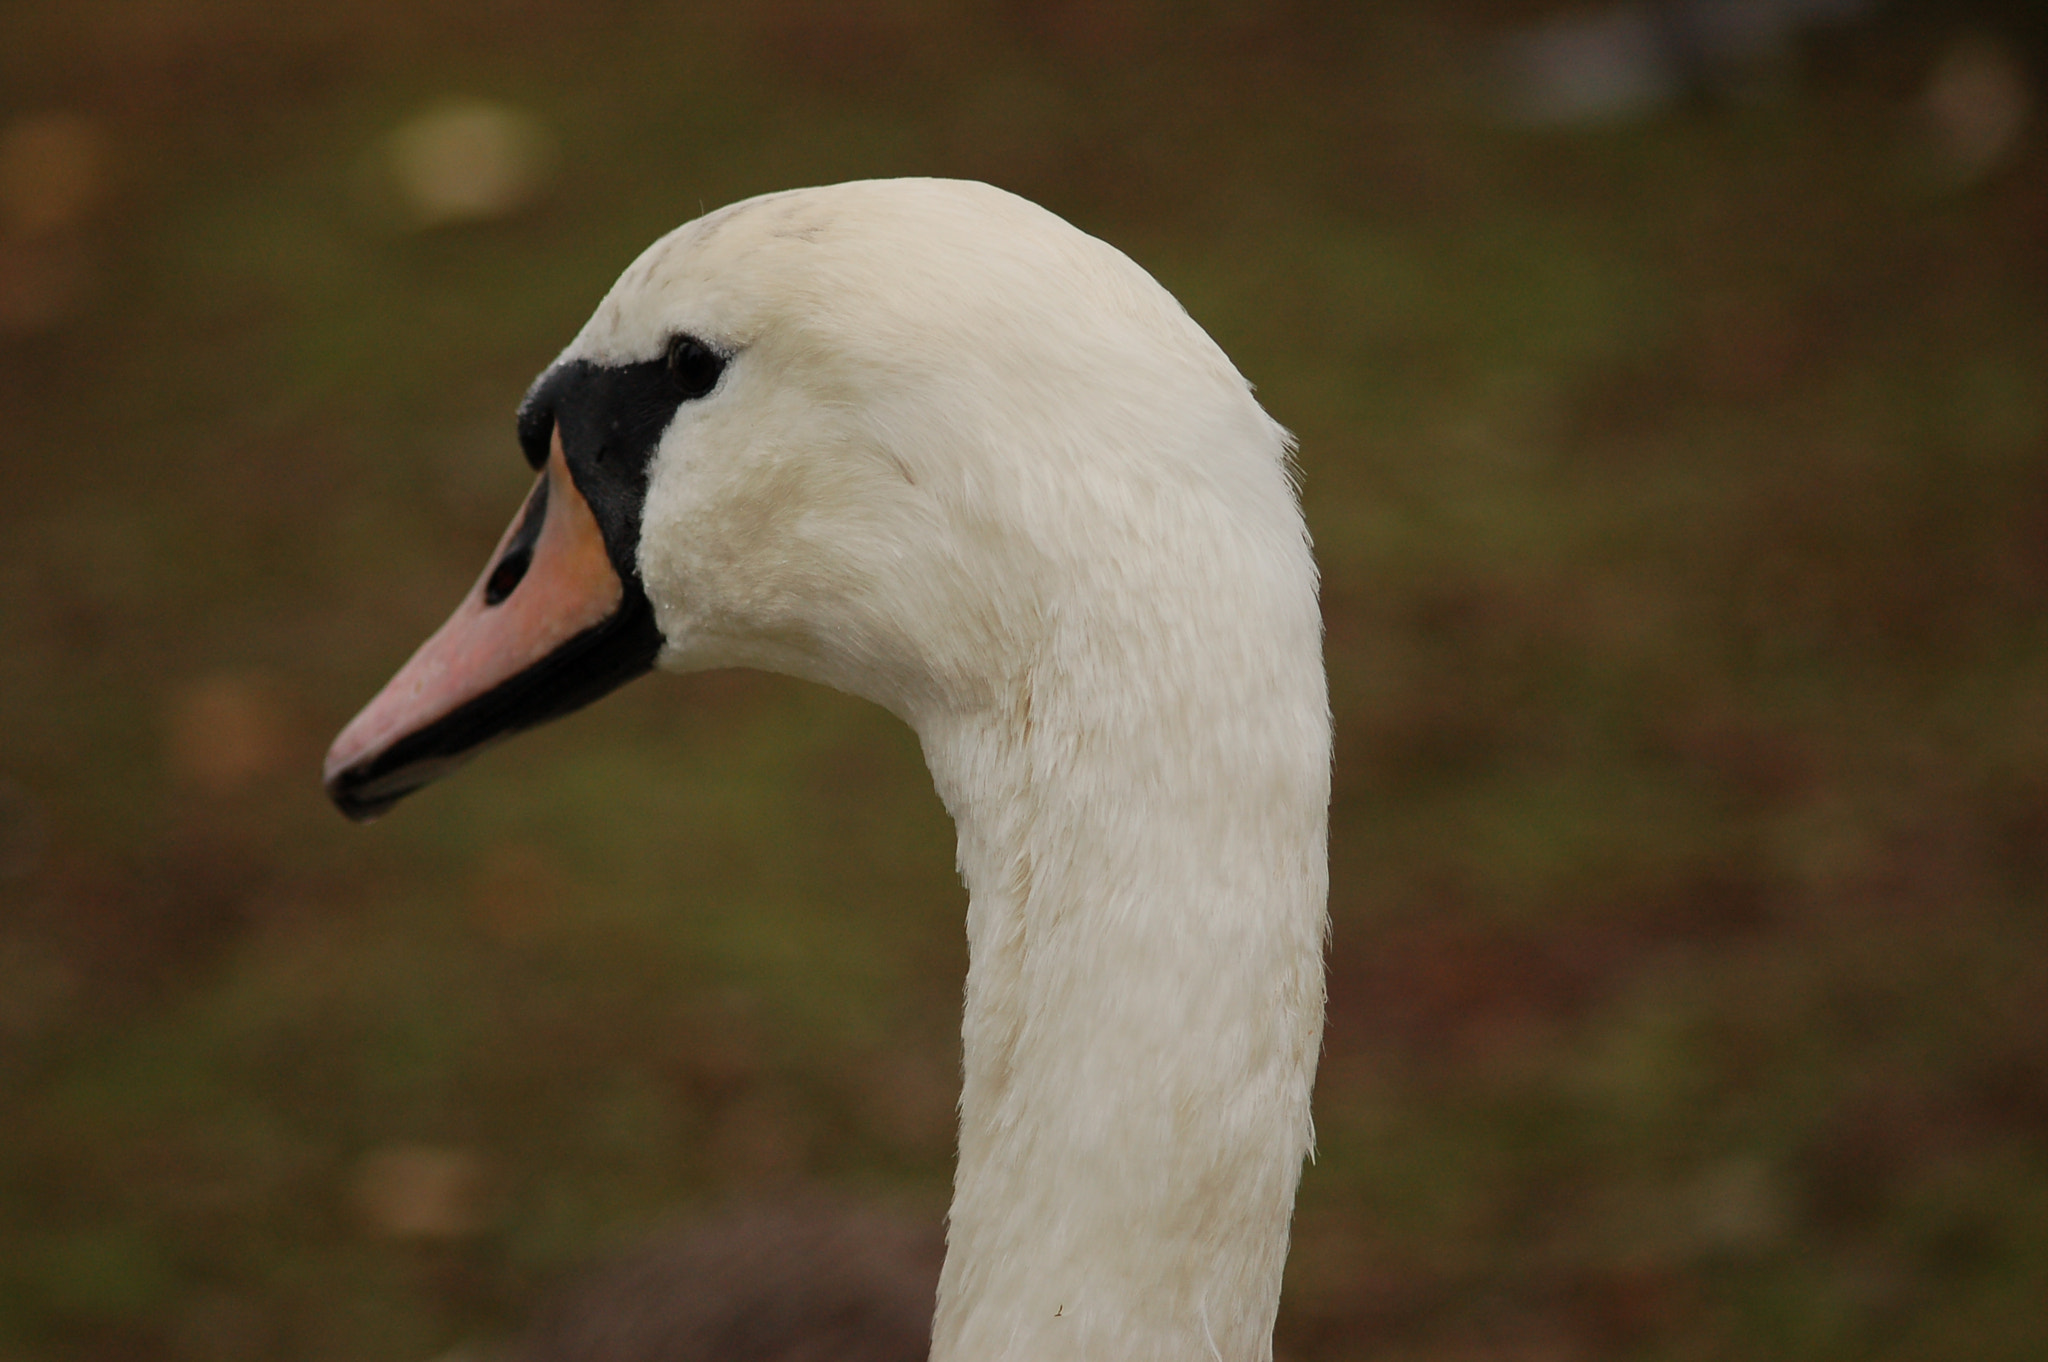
point(547, 629)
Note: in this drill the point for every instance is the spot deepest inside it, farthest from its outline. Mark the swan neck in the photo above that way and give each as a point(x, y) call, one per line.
point(1143, 1010)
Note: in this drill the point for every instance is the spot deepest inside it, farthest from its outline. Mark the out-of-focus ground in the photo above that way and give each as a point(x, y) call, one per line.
point(1674, 427)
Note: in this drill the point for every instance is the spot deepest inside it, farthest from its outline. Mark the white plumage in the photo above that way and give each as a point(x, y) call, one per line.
point(980, 468)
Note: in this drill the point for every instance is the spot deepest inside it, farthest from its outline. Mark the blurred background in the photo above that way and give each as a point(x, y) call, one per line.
point(1672, 386)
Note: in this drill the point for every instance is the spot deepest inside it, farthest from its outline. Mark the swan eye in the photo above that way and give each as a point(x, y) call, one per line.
point(695, 365)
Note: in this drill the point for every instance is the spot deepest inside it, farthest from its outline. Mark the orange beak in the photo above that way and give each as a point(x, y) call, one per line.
point(548, 628)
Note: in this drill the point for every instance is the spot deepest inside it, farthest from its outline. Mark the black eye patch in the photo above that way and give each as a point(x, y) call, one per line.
point(610, 418)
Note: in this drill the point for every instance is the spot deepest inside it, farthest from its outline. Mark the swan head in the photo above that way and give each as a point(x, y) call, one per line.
point(882, 435)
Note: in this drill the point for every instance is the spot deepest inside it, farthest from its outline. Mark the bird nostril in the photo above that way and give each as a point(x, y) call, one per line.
point(507, 574)
point(511, 569)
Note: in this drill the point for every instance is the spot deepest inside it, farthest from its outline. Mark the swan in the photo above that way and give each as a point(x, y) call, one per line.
point(928, 443)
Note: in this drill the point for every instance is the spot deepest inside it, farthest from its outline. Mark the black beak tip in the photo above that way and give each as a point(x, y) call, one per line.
point(364, 799)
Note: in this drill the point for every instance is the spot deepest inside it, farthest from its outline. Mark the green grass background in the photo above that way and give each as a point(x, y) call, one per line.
point(1681, 490)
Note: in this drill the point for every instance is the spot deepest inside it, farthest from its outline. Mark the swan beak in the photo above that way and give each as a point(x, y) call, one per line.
point(549, 627)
